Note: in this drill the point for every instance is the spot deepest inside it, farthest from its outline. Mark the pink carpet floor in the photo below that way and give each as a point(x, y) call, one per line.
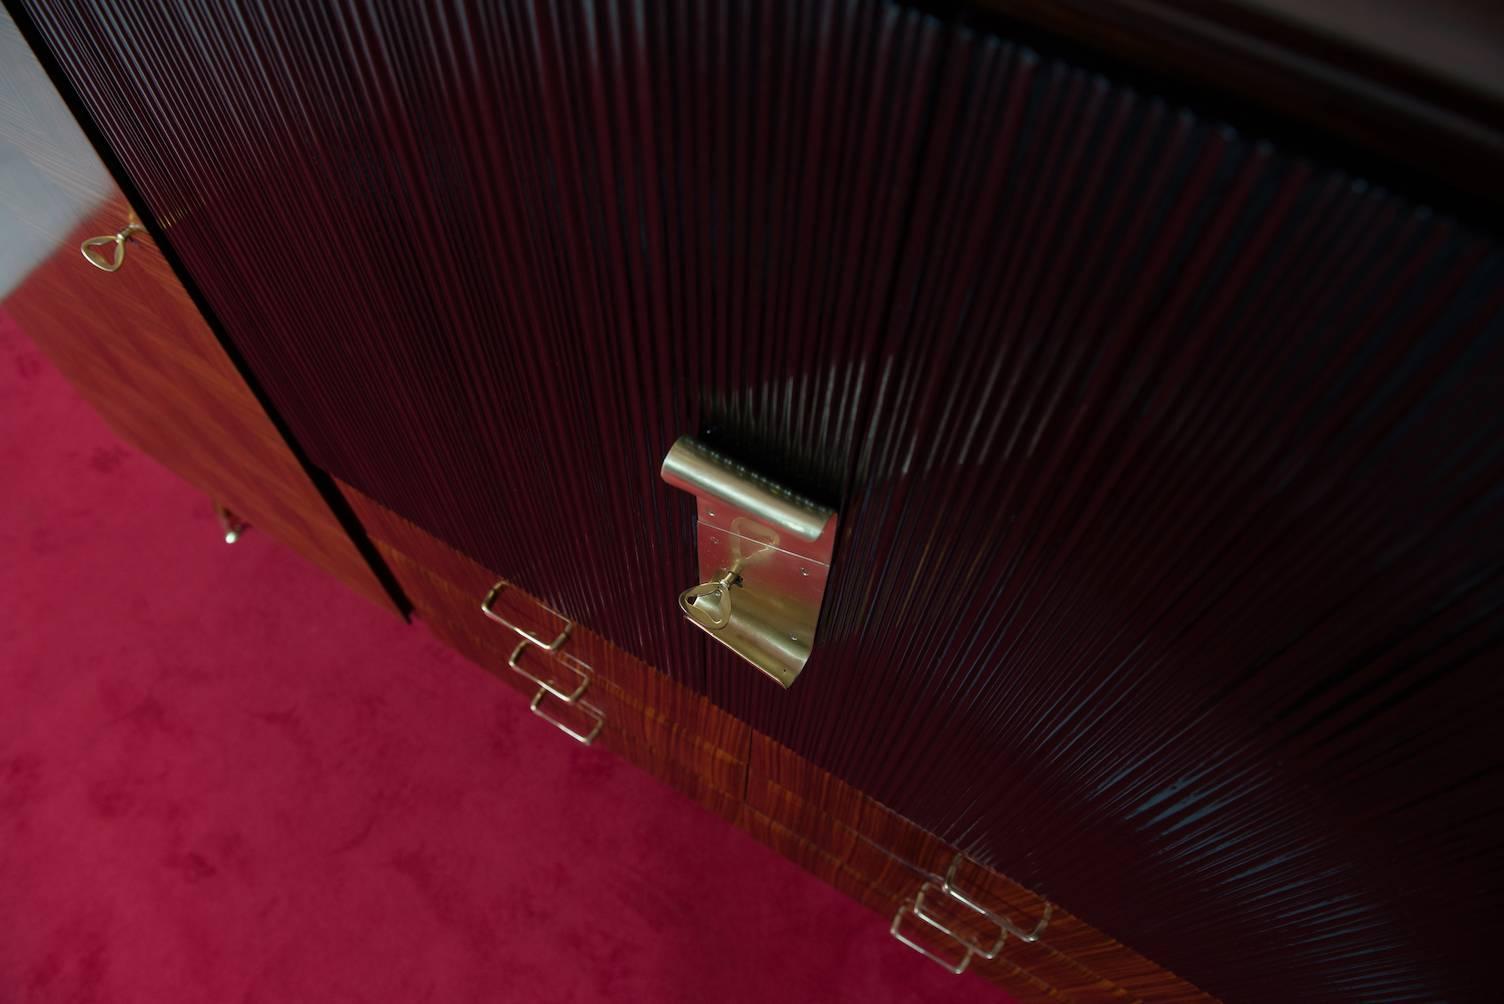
point(225, 778)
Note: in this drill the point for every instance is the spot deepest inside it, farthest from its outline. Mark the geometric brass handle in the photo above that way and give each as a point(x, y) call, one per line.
point(568, 695)
point(597, 719)
point(763, 555)
point(972, 946)
point(92, 248)
point(896, 929)
point(548, 689)
point(526, 635)
point(570, 698)
point(950, 889)
point(968, 945)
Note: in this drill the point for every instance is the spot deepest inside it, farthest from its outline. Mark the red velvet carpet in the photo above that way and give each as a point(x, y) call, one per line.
point(225, 778)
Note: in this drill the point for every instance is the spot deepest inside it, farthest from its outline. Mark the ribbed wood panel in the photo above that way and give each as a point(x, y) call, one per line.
point(1169, 463)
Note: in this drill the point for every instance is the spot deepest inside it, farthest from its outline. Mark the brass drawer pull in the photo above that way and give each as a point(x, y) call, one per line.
point(569, 662)
point(970, 947)
point(908, 910)
point(583, 738)
point(1004, 924)
point(486, 607)
point(115, 240)
point(764, 558)
point(549, 690)
point(938, 924)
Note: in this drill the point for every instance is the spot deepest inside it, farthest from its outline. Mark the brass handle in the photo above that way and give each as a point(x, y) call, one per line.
point(525, 635)
point(938, 923)
point(115, 240)
point(570, 663)
point(718, 616)
point(583, 738)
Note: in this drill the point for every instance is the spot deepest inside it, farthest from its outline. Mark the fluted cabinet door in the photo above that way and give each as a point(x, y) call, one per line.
point(1168, 461)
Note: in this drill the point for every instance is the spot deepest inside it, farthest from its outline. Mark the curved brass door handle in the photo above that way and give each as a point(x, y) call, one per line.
point(115, 240)
point(763, 558)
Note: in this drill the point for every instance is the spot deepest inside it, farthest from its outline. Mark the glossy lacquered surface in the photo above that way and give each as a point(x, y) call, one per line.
point(1168, 576)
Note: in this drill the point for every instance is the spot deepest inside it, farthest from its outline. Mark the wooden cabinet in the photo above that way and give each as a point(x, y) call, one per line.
point(1165, 438)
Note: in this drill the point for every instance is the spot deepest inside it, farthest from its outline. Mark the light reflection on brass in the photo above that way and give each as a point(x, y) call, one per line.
point(89, 248)
point(764, 556)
